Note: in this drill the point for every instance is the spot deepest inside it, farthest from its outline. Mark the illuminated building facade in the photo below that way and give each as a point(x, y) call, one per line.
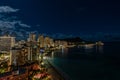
point(41, 41)
point(6, 42)
point(32, 37)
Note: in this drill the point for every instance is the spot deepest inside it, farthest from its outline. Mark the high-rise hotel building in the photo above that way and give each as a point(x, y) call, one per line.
point(6, 43)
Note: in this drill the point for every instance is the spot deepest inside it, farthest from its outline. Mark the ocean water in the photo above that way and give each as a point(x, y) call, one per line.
point(94, 63)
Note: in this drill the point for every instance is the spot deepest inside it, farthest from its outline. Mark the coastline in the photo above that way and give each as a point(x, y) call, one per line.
point(59, 73)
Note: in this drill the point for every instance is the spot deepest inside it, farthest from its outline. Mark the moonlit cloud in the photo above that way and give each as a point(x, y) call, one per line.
point(23, 25)
point(7, 9)
point(12, 24)
point(7, 24)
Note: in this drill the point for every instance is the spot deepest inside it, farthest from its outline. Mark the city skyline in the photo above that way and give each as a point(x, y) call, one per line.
point(59, 40)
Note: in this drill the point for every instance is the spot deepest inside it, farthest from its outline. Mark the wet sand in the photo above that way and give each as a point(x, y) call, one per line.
point(53, 72)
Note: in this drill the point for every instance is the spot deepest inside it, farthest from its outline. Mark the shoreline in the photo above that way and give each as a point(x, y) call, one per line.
point(62, 75)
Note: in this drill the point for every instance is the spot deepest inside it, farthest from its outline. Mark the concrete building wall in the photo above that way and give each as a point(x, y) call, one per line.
point(6, 42)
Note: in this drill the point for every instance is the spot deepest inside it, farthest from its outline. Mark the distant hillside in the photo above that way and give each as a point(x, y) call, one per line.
point(76, 39)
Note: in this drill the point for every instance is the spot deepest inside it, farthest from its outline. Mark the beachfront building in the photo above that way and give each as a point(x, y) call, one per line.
point(32, 46)
point(51, 42)
point(6, 42)
point(32, 37)
point(29, 44)
point(40, 41)
point(47, 42)
point(18, 54)
point(61, 44)
point(14, 55)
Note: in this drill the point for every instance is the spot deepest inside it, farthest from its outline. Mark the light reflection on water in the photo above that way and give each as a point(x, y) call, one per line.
point(100, 49)
point(73, 61)
point(66, 52)
point(89, 49)
point(89, 63)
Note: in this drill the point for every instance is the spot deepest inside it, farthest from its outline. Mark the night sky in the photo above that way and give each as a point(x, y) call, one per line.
point(69, 16)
